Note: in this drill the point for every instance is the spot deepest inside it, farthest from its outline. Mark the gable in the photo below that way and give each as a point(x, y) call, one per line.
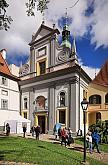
point(102, 76)
point(42, 32)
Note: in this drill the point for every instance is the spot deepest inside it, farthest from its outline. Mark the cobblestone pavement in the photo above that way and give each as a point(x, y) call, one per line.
point(103, 157)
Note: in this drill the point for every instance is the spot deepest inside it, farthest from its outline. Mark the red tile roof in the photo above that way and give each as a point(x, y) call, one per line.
point(4, 66)
point(102, 76)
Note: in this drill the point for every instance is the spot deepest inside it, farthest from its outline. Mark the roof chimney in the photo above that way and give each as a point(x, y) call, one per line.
point(3, 52)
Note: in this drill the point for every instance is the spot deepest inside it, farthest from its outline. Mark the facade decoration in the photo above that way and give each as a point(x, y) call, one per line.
point(53, 88)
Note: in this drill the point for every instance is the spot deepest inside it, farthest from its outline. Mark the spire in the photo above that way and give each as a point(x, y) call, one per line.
point(66, 34)
point(74, 46)
point(43, 18)
point(74, 52)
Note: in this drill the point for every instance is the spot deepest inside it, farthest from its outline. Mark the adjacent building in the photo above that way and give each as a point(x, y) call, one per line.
point(10, 99)
point(98, 96)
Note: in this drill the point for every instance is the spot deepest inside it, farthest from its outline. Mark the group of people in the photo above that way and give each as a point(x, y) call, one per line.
point(35, 130)
point(65, 135)
point(92, 140)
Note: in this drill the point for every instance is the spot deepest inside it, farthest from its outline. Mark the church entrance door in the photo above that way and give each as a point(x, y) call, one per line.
point(41, 122)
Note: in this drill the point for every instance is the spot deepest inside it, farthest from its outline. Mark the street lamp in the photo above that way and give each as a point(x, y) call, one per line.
point(84, 105)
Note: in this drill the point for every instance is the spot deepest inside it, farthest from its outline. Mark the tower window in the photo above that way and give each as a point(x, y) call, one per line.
point(42, 66)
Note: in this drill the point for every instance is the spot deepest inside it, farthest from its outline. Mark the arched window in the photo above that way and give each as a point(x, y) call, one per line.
point(40, 101)
point(95, 99)
point(106, 98)
point(62, 98)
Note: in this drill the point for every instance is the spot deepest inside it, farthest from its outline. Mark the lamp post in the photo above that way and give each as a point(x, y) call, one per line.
point(84, 105)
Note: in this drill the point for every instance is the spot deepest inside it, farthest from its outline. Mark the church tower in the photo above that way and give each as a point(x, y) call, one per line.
point(66, 35)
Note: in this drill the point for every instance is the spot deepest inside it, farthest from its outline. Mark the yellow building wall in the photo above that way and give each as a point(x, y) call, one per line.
point(94, 89)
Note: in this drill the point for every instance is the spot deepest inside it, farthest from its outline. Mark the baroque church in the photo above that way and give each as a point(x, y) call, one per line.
point(53, 84)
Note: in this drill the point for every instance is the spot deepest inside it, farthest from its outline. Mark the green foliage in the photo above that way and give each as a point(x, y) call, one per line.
point(102, 128)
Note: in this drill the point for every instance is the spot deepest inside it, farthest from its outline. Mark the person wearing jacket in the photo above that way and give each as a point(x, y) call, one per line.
point(96, 140)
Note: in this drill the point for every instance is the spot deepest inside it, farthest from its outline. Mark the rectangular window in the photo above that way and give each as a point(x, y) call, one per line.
point(42, 66)
point(3, 92)
point(25, 103)
point(25, 115)
point(4, 104)
point(4, 81)
point(62, 115)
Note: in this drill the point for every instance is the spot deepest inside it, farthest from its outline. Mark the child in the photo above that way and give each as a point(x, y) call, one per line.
point(90, 142)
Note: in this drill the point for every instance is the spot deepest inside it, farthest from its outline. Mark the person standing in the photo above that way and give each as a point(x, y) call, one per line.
point(96, 140)
point(24, 131)
point(63, 136)
point(37, 132)
point(70, 138)
point(32, 130)
point(90, 142)
point(7, 129)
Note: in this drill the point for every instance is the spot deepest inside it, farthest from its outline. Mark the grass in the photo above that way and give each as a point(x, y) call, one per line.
point(20, 149)
point(103, 147)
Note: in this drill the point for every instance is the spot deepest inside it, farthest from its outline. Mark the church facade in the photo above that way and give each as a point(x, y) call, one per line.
point(54, 83)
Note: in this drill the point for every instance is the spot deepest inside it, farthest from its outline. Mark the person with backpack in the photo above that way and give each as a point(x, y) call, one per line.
point(96, 140)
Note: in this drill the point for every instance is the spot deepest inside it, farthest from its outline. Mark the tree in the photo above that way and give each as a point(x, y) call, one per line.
point(4, 19)
point(31, 4)
point(41, 6)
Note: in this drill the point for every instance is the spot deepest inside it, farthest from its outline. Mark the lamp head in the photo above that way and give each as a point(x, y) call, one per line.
point(84, 104)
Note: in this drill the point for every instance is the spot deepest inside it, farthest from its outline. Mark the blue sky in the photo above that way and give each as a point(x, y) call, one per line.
point(87, 20)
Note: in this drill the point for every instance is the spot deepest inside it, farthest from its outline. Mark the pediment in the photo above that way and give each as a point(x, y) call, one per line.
point(42, 32)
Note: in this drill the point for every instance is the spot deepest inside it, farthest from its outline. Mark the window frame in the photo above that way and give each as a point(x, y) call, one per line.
point(44, 70)
point(62, 99)
point(4, 104)
point(106, 98)
point(4, 81)
point(95, 99)
point(25, 103)
point(5, 92)
point(25, 116)
point(61, 120)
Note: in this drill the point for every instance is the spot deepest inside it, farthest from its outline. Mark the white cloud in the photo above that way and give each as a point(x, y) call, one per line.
point(92, 72)
point(99, 21)
point(22, 27)
point(16, 39)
